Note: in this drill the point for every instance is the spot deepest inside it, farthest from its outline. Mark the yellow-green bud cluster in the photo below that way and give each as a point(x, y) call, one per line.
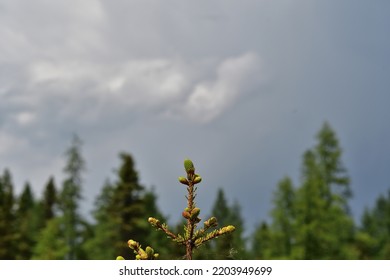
point(226, 229)
point(147, 254)
point(154, 222)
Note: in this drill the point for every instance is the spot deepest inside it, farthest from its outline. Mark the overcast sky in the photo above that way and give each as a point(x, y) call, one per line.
point(240, 87)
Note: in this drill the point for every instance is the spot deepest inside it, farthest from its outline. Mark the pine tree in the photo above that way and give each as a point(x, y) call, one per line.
point(105, 231)
point(52, 243)
point(375, 230)
point(7, 216)
point(25, 224)
point(121, 211)
point(336, 187)
point(238, 250)
point(323, 225)
point(262, 242)
point(283, 219)
point(50, 200)
point(70, 197)
point(230, 246)
point(310, 213)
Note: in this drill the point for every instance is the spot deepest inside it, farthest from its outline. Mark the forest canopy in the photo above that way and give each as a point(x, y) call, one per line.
point(309, 219)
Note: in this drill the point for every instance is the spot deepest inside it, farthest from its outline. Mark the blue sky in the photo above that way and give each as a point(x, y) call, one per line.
point(240, 87)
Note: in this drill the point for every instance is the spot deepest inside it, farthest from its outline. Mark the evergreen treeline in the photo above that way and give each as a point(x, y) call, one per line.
point(310, 219)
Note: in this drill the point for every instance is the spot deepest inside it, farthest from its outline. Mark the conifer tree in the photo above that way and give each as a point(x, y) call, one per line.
point(231, 246)
point(127, 206)
point(52, 242)
point(323, 226)
point(238, 250)
point(375, 231)
point(70, 197)
point(336, 182)
point(102, 245)
point(283, 219)
point(311, 213)
point(193, 237)
point(50, 233)
point(50, 200)
point(224, 245)
point(25, 224)
point(7, 216)
point(262, 242)
point(166, 249)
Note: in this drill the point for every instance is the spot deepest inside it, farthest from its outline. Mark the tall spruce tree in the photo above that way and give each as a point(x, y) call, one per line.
point(323, 226)
point(336, 182)
point(70, 197)
point(311, 215)
point(283, 219)
point(128, 207)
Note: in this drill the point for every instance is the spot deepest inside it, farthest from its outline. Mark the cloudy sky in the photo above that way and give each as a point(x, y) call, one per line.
point(240, 87)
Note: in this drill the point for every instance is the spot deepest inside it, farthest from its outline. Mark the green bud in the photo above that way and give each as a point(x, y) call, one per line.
point(197, 179)
point(212, 222)
point(142, 254)
point(189, 166)
point(154, 221)
point(120, 258)
point(186, 215)
point(133, 244)
point(149, 251)
point(195, 212)
point(183, 180)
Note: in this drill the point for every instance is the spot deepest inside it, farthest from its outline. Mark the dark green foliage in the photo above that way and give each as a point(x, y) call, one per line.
point(283, 215)
point(312, 221)
point(70, 197)
point(375, 231)
point(262, 243)
point(127, 207)
point(102, 245)
point(324, 229)
point(25, 234)
point(121, 211)
point(50, 200)
point(7, 216)
point(52, 243)
point(231, 246)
